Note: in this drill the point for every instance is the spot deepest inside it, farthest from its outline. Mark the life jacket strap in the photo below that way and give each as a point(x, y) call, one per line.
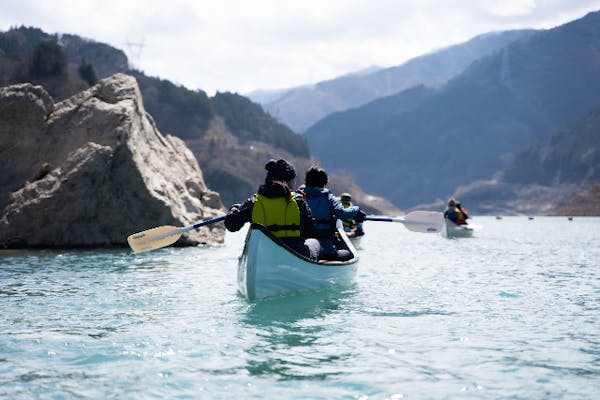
point(275, 227)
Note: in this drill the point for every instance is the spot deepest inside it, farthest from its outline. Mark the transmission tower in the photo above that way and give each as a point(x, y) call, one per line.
point(134, 52)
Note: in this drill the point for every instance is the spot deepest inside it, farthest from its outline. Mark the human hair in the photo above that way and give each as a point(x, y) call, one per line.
point(279, 173)
point(280, 170)
point(316, 177)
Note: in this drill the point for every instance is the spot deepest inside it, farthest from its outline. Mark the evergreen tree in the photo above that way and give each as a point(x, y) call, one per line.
point(48, 60)
point(87, 73)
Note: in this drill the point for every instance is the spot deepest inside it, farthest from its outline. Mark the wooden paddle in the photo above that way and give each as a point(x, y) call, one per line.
point(417, 221)
point(163, 236)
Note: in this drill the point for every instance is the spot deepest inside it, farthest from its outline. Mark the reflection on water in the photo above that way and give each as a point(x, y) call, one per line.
point(293, 335)
point(293, 308)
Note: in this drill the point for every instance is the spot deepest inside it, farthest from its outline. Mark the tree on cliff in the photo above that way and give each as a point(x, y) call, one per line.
point(48, 60)
point(87, 73)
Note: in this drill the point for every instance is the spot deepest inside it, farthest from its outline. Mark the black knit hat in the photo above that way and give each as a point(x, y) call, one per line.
point(280, 170)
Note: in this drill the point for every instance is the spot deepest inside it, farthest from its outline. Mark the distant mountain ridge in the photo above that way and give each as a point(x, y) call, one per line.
point(424, 143)
point(302, 106)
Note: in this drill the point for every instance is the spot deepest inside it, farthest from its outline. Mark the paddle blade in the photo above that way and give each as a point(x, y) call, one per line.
point(424, 221)
point(154, 238)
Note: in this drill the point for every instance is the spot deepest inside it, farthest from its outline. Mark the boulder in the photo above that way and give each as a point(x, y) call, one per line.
point(93, 169)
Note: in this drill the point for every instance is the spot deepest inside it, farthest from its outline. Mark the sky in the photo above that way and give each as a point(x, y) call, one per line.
point(244, 45)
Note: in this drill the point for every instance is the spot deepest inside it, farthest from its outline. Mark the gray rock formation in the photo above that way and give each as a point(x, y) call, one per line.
point(93, 169)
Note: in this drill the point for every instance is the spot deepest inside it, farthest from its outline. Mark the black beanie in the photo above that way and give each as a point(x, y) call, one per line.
point(280, 170)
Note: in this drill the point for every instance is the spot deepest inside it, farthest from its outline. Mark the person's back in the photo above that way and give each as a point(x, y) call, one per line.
point(450, 212)
point(320, 208)
point(325, 209)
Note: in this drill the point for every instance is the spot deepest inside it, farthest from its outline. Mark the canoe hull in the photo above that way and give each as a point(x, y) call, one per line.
point(268, 268)
point(453, 230)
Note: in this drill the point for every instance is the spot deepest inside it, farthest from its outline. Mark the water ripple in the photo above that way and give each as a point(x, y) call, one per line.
point(512, 313)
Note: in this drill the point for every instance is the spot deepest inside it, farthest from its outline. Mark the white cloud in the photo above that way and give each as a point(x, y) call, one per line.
point(240, 45)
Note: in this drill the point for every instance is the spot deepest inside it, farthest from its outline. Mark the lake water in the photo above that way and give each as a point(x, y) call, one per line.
point(513, 313)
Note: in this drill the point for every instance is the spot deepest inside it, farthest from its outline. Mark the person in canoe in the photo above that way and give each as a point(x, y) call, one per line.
point(455, 213)
point(352, 228)
point(280, 209)
point(326, 209)
point(462, 214)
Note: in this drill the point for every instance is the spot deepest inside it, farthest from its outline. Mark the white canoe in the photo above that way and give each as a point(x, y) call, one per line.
point(453, 230)
point(269, 268)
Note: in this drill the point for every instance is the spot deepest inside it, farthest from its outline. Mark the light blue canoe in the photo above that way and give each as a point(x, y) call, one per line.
point(269, 268)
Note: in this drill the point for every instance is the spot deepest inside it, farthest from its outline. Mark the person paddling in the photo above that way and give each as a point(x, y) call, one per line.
point(351, 227)
point(277, 207)
point(456, 213)
point(325, 209)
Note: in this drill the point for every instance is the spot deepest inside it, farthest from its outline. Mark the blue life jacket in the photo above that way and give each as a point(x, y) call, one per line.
point(318, 202)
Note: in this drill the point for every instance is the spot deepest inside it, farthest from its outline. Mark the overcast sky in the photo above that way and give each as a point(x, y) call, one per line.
point(241, 45)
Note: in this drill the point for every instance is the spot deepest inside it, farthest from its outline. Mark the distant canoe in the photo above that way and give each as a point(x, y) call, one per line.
point(453, 230)
point(269, 268)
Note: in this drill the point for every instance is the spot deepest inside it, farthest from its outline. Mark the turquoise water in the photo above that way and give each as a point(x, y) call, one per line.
point(513, 313)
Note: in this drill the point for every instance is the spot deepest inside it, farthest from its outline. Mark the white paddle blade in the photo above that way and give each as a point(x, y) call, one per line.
point(424, 221)
point(154, 238)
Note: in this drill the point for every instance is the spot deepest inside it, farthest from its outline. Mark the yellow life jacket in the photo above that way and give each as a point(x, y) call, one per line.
point(349, 223)
point(280, 216)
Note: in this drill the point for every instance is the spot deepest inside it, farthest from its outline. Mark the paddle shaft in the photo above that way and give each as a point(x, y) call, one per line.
point(416, 221)
point(204, 223)
point(383, 219)
point(188, 228)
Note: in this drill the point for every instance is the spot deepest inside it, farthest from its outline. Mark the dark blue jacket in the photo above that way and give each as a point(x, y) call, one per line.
point(450, 214)
point(325, 208)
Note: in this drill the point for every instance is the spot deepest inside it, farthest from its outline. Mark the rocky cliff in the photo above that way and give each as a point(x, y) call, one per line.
point(92, 169)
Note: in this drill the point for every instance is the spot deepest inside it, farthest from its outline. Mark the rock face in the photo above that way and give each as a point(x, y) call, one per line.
point(93, 169)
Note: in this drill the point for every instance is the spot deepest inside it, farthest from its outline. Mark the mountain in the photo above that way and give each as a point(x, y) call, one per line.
point(230, 136)
point(175, 109)
point(300, 107)
point(423, 143)
point(570, 156)
point(585, 203)
point(556, 177)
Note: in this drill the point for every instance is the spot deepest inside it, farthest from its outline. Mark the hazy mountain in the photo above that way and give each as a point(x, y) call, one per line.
point(423, 143)
point(302, 106)
point(264, 96)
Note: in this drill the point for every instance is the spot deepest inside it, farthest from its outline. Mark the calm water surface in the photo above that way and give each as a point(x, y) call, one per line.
point(513, 313)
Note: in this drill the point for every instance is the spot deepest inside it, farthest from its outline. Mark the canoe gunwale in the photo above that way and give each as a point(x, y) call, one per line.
point(280, 243)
